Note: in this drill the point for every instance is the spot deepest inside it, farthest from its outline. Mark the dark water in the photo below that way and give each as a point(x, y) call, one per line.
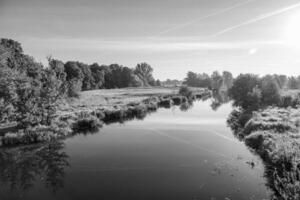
point(171, 154)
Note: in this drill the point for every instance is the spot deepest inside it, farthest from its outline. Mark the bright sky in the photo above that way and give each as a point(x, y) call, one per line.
point(173, 36)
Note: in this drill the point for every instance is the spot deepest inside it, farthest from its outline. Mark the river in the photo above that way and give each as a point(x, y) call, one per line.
point(171, 154)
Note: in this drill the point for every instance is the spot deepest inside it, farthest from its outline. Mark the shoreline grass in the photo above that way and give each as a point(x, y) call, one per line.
point(102, 107)
point(273, 133)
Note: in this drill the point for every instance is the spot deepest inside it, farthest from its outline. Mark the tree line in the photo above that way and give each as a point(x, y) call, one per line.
point(30, 92)
point(215, 81)
point(249, 91)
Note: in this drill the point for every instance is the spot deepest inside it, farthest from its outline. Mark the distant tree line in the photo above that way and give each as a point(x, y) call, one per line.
point(249, 91)
point(215, 81)
point(171, 83)
point(95, 76)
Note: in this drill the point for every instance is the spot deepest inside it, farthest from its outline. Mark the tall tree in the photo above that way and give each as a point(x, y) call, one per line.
point(144, 72)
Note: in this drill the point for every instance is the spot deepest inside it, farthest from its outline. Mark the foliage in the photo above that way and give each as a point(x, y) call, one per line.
point(244, 91)
point(215, 81)
point(29, 93)
point(270, 91)
point(144, 72)
point(185, 91)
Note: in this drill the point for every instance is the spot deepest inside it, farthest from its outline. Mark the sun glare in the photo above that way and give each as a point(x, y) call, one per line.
point(293, 31)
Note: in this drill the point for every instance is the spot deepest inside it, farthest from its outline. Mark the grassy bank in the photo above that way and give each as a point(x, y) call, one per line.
point(273, 133)
point(95, 108)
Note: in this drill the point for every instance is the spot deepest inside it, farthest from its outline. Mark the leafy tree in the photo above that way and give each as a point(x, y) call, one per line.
point(191, 79)
point(57, 67)
point(157, 82)
point(50, 94)
point(87, 80)
point(73, 71)
point(144, 72)
point(98, 74)
point(204, 80)
point(270, 91)
point(74, 78)
point(216, 80)
point(242, 90)
point(293, 83)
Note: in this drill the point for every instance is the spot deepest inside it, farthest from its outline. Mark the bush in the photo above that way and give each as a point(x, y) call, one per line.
point(165, 103)
point(242, 91)
point(87, 124)
point(185, 91)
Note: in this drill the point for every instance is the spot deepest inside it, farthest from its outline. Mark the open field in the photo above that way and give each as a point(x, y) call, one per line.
point(110, 98)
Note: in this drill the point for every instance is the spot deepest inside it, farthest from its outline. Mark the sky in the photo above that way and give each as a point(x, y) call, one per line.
point(173, 36)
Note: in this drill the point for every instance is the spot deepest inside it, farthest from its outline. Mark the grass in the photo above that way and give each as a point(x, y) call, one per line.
point(274, 134)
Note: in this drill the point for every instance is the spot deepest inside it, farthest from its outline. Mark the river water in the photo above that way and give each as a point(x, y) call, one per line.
point(171, 154)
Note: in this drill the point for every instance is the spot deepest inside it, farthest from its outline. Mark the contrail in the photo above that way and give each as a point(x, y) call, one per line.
point(256, 19)
point(202, 18)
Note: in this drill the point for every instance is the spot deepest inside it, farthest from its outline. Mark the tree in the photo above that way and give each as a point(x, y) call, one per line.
point(216, 80)
point(270, 91)
point(293, 83)
point(74, 78)
point(242, 90)
point(204, 80)
point(50, 94)
point(73, 71)
point(58, 68)
point(191, 79)
point(98, 74)
point(87, 80)
point(157, 82)
point(7, 94)
point(144, 72)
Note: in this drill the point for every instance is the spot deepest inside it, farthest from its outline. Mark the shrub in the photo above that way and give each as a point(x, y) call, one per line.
point(87, 124)
point(242, 90)
point(177, 100)
point(114, 115)
point(165, 103)
point(185, 91)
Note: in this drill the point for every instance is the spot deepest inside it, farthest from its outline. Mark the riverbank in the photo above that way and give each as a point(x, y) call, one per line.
point(273, 133)
point(98, 107)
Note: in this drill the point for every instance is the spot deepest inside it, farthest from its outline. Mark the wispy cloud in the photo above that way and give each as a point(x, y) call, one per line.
point(144, 45)
point(180, 26)
point(257, 19)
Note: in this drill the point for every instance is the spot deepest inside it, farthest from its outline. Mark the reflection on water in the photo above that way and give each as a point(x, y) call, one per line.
point(219, 98)
point(171, 154)
point(22, 167)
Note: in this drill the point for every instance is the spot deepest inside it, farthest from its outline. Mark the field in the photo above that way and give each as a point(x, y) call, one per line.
point(110, 98)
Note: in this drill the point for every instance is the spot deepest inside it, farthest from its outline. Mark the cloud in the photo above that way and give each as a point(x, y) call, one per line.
point(257, 19)
point(165, 44)
point(180, 26)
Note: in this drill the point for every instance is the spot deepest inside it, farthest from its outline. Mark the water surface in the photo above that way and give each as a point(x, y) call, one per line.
point(171, 154)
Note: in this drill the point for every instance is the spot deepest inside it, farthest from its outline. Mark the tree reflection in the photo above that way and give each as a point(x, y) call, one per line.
point(186, 106)
point(219, 98)
point(21, 167)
